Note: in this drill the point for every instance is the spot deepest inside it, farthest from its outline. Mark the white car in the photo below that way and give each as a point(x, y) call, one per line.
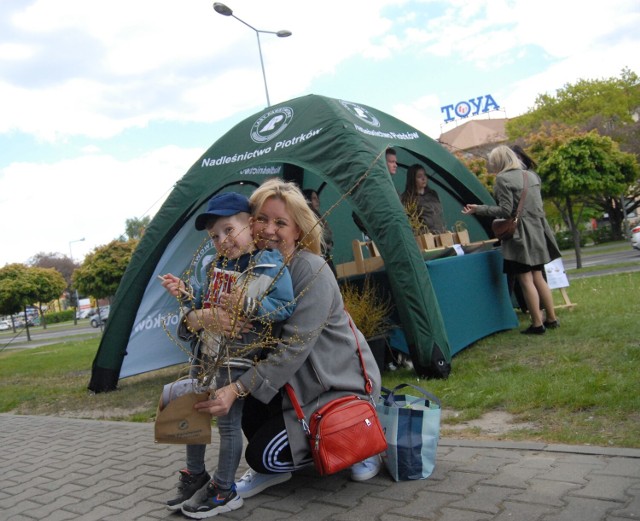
point(635, 237)
point(86, 313)
point(100, 319)
point(5, 325)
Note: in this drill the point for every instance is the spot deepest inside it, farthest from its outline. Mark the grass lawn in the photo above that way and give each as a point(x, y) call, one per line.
point(578, 384)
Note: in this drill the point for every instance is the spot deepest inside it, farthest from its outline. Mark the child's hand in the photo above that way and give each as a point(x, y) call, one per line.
point(174, 285)
point(233, 302)
point(230, 325)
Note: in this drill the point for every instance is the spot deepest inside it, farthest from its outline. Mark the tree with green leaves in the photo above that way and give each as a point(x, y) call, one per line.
point(21, 286)
point(607, 105)
point(477, 165)
point(579, 169)
point(46, 284)
point(62, 263)
point(102, 270)
point(12, 290)
point(135, 227)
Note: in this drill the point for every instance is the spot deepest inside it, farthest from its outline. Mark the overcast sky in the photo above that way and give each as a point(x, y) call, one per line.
point(105, 105)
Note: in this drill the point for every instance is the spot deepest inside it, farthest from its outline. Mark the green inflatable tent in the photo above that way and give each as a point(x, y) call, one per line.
point(316, 141)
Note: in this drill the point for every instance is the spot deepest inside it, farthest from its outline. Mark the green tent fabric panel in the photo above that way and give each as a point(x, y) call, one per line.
point(341, 143)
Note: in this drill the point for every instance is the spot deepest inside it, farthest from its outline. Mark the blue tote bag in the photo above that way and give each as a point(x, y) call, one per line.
point(412, 429)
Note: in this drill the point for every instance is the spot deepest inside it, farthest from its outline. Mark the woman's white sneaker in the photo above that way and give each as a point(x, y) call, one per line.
point(366, 469)
point(252, 482)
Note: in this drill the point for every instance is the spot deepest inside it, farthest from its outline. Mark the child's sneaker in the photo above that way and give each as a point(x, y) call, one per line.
point(214, 502)
point(188, 485)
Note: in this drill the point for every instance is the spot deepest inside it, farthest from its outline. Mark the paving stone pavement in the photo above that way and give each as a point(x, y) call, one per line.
point(56, 469)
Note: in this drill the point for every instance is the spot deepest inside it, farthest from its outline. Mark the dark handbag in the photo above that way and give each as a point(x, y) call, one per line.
point(504, 229)
point(345, 431)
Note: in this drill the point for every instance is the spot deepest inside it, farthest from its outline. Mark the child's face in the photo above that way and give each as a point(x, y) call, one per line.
point(232, 235)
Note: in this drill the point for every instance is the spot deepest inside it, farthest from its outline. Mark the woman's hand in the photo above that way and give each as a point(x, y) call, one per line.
point(220, 404)
point(469, 209)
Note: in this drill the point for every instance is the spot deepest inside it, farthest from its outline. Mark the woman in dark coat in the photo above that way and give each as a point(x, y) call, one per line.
point(426, 199)
point(533, 244)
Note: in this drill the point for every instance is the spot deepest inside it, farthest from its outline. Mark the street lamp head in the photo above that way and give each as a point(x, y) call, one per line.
point(222, 9)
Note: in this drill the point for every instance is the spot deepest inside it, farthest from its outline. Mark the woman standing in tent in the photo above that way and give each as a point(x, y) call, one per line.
point(425, 199)
point(313, 200)
point(533, 244)
point(316, 351)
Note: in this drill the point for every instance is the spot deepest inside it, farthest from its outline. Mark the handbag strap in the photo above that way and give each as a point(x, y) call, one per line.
point(525, 183)
point(390, 394)
point(368, 385)
point(297, 408)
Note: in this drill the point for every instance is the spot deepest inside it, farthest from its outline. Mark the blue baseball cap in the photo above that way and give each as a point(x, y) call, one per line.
point(223, 205)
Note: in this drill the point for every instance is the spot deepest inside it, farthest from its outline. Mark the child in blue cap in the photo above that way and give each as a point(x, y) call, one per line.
point(256, 285)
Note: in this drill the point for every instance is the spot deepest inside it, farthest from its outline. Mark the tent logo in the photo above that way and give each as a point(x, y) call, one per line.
point(271, 124)
point(205, 255)
point(361, 113)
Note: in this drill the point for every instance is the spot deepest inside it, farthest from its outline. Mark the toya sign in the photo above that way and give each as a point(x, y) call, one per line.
point(473, 107)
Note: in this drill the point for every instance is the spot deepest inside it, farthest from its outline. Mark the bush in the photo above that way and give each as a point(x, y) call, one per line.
point(368, 309)
point(602, 234)
point(564, 239)
point(59, 316)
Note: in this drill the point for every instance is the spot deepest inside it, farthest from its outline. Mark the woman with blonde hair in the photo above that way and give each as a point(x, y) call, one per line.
point(315, 351)
point(533, 244)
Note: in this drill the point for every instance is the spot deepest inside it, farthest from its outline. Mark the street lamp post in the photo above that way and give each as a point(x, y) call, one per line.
point(75, 311)
point(222, 9)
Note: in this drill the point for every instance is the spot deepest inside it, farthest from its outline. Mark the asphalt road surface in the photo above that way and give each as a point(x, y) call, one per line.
point(605, 258)
point(41, 337)
point(630, 257)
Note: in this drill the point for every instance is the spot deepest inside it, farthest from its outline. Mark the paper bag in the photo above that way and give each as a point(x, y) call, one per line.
point(178, 422)
point(426, 241)
point(462, 237)
point(446, 239)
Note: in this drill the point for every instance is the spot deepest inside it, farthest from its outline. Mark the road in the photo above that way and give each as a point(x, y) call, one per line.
point(42, 337)
point(607, 259)
point(604, 258)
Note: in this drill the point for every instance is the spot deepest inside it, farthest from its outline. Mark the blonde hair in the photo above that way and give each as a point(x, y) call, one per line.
point(503, 158)
point(297, 207)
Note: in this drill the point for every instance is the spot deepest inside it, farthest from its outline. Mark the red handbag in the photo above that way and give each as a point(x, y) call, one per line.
point(345, 431)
